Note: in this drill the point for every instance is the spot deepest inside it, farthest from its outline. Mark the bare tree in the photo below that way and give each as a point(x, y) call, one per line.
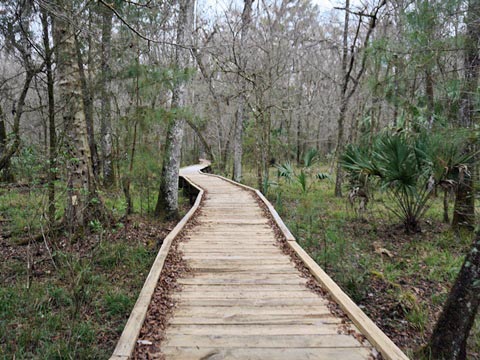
point(105, 97)
point(350, 76)
point(241, 110)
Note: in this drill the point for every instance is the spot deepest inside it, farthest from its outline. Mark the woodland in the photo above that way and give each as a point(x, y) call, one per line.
point(358, 120)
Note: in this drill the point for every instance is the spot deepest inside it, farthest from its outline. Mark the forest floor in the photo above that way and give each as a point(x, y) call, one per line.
point(400, 280)
point(74, 296)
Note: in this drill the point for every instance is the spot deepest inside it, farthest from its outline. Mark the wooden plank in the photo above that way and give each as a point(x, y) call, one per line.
point(221, 330)
point(266, 280)
point(239, 294)
point(223, 250)
point(265, 341)
point(214, 312)
point(249, 301)
point(233, 262)
point(195, 353)
point(247, 287)
point(313, 319)
point(219, 268)
point(255, 275)
point(219, 257)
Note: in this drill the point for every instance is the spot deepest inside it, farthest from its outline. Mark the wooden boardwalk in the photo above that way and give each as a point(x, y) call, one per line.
point(244, 298)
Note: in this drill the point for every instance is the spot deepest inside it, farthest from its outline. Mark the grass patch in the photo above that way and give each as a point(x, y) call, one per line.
point(75, 303)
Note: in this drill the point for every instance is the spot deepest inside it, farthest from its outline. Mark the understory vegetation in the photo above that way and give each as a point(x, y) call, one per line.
point(68, 296)
point(400, 280)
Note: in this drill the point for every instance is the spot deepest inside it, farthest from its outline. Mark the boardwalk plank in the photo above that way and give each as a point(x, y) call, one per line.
point(265, 341)
point(191, 353)
point(244, 298)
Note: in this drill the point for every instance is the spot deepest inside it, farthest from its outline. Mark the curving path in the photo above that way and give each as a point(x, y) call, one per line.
point(244, 298)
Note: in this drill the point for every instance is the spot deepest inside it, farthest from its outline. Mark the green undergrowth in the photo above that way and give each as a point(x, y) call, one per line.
point(76, 310)
point(74, 303)
point(400, 280)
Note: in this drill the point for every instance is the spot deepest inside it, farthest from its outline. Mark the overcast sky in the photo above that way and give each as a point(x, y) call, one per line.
point(324, 5)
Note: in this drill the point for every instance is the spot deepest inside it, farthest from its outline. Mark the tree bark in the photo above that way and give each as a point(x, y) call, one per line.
point(240, 115)
point(167, 203)
point(5, 173)
point(449, 338)
point(81, 189)
point(52, 143)
point(464, 208)
point(105, 95)
point(87, 98)
point(343, 101)
point(238, 140)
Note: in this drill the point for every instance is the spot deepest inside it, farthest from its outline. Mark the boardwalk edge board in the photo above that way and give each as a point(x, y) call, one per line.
point(367, 327)
point(128, 339)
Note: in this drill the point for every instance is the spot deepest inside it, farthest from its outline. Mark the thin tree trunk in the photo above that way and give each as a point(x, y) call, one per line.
point(127, 180)
point(206, 146)
point(88, 109)
point(347, 70)
point(167, 203)
point(430, 97)
point(339, 149)
point(343, 102)
point(10, 150)
point(464, 209)
point(446, 219)
point(238, 140)
point(241, 110)
point(52, 146)
point(5, 173)
point(298, 150)
point(105, 94)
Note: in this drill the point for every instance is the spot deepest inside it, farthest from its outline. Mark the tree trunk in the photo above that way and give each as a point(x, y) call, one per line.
point(10, 150)
point(238, 141)
point(343, 103)
point(167, 203)
point(464, 209)
point(81, 190)
point(52, 146)
point(87, 98)
point(339, 149)
point(430, 97)
point(348, 77)
point(5, 173)
point(105, 94)
point(206, 146)
point(298, 154)
point(449, 338)
point(240, 115)
point(446, 219)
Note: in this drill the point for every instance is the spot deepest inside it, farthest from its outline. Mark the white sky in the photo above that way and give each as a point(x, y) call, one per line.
point(324, 5)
